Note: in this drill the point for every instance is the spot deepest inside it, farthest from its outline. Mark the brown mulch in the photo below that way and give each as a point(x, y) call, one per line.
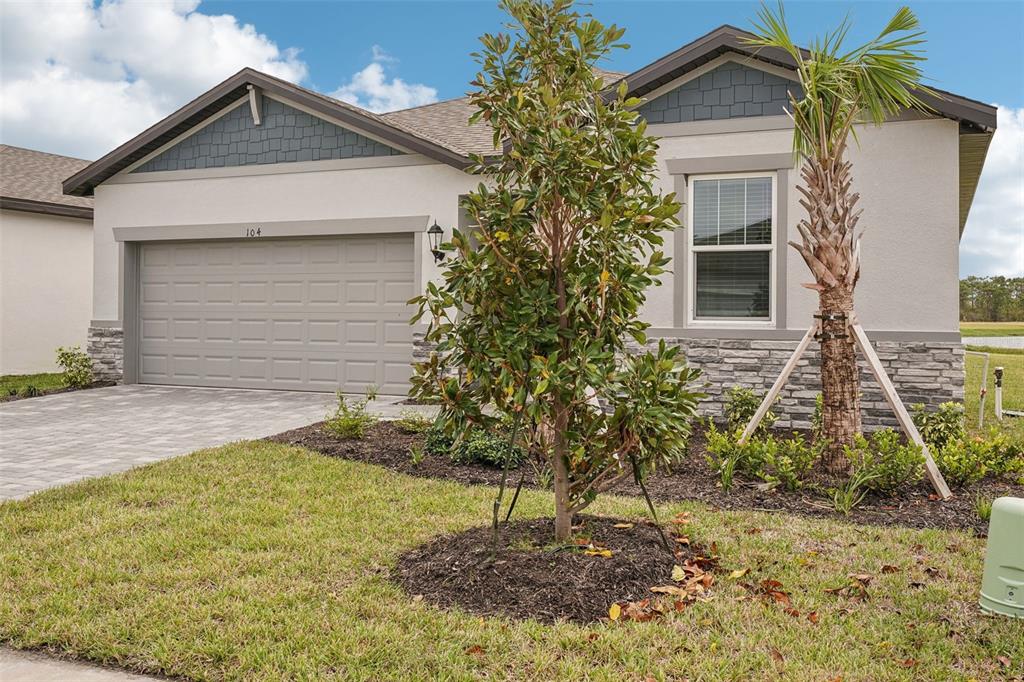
point(529, 577)
point(386, 445)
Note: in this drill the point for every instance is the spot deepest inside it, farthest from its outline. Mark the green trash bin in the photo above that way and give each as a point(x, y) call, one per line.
point(1002, 586)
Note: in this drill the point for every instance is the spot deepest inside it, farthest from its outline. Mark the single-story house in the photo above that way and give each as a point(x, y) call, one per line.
point(268, 236)
point(45, 260)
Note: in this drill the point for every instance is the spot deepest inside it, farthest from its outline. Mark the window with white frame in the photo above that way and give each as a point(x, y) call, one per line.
point(731, 248)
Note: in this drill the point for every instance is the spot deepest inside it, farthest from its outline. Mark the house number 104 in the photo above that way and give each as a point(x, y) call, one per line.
point(253, 232)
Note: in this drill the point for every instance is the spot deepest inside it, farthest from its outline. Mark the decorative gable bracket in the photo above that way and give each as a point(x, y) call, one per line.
point(255, 103)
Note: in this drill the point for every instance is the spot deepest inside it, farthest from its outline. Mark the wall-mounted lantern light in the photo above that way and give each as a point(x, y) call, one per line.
point(434, 235)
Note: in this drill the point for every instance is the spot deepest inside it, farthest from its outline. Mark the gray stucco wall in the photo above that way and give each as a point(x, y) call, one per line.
point(728, 91)
point(285, 135)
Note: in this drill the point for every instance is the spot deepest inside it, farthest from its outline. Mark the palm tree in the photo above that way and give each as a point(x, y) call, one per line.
point(841, 88)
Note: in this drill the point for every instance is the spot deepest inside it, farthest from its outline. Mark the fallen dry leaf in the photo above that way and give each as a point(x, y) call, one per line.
point(777, 655)
point(739, 573)
point(1004, 661)
point(887, 568)
point(678, 573)
point(475, 650)
point(813, 617)
point(614, 611)
point(622, 525)
point(606, 553)
point(908, 662)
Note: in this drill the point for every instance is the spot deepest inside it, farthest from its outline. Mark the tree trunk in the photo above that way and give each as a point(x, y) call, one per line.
point(840, 379)
point(560, 467)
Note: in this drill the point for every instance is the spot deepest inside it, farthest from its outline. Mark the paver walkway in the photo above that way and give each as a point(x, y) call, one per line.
point(59, 438)
point(25, 666)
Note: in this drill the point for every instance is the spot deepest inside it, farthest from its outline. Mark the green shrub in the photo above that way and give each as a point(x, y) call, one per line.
point(968, 460)
point(963, 461)
point(412, 421)
point(438, 443)
point(416, 454)
point(740, 406)
point(890, 462)
point(76, 365)
point(30, 391)
point(782, 462)
point(485, 447)
point(942, 426)
point(350, 420)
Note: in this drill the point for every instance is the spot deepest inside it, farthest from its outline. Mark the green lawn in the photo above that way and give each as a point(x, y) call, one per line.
point(41, 381)
point(1013, 390)
point(261, 561)
point(992, 329)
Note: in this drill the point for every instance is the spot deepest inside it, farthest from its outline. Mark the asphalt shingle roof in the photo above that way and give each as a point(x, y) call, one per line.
point(37, 176)
point(448, 121)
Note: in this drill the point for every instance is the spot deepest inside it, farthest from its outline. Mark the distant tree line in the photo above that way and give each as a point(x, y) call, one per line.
point(992, 299)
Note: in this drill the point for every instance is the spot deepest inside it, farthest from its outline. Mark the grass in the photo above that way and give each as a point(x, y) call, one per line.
point(43, 382)
point(1013, 390)
point(992, 329)
point(263, 561)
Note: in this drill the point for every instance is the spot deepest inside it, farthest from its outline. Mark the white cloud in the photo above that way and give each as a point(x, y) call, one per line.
point(80, 78)
point(993, 241)
point(370, 88)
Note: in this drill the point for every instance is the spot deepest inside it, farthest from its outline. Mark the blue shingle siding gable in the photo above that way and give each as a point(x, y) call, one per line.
point(286, 135)
point(728, 91)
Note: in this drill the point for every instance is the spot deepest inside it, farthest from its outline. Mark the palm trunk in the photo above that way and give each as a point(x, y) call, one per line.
point(840, 379)
point(831, 250)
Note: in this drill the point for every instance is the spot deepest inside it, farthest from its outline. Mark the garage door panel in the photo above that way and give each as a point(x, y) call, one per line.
point(314, 314)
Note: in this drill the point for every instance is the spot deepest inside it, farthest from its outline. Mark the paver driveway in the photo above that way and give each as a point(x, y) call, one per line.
point(55, 439)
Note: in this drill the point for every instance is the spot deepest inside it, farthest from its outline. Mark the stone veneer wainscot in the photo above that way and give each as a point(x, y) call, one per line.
point(106, 348)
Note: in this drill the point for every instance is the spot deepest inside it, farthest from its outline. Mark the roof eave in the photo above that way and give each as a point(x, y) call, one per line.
point(45, 208)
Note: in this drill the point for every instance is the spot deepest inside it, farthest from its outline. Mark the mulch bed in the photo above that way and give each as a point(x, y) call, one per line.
point(386, 445)
point(52, 391)
point(530, 577)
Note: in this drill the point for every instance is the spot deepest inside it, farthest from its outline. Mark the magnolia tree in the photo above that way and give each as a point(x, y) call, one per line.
point(539, 300)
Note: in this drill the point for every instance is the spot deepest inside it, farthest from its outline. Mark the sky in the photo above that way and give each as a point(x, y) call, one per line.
point(79, 77)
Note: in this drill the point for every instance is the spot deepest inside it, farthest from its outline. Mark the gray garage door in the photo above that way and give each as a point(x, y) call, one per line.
point(297, 314)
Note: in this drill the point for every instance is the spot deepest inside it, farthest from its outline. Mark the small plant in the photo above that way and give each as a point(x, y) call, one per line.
point(892, 463)
point(437, 443)
point(487, 448)
point(983, 507)
point(543, 475)
point(782, 462)
point(942, 426)
point(30, 391)
point(77, 366)
point(816, 420)
point(963, 462)
point(12, 391)
point(416, 454)
point(412, 421)
point(350, 420)
point(740, 406)
point(851, 493)
point(723, 455)
point(371, 392)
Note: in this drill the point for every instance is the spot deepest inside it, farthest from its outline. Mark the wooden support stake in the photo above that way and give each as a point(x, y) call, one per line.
point(779, 383)
point(902, 416)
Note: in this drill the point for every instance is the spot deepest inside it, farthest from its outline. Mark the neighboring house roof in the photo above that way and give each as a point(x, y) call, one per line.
point(442, 131)
point(31, 181)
